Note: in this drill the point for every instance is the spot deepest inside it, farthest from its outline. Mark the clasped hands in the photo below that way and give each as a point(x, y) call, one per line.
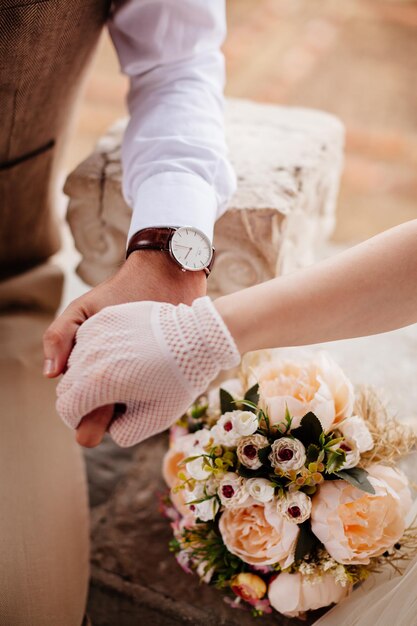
point(133, 358)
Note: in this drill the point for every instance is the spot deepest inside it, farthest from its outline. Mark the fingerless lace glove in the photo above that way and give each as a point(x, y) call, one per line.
point(155, 358)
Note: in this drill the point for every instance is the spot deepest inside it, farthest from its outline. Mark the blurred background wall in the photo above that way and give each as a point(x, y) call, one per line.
point(354, 58)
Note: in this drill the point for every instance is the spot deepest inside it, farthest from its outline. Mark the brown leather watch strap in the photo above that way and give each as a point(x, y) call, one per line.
point(155, 238)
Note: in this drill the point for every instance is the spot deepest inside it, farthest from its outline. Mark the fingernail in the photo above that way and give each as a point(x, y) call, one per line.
point(48, 367)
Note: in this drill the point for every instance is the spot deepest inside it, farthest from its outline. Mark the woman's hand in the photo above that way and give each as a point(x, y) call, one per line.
point(153, 358)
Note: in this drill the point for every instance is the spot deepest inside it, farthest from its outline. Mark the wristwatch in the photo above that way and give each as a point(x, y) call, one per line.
point(189, 247)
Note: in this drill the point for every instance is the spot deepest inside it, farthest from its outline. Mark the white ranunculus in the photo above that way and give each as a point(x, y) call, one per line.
point(351, 451)
point(232, 490)
point(295, 506)
point(207, 509)
point(196, 469)
point(224, 432)
point(355, 429)
point(287, 454)
point(261, 489)
point(245, 422)
point(194, 443)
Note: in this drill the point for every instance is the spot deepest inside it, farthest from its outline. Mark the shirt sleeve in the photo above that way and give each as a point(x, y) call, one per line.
point(175, 166)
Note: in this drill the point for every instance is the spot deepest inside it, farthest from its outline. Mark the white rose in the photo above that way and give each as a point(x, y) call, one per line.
point(355, 429)
point(207, 509)
point(260, 489)
point(232, 490)
point(287, 454)
point(245, 422)
point(196, 469)
point(248, 448)
point(295, 506)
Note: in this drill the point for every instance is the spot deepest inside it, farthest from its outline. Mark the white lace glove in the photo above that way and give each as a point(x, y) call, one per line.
point(155, 358)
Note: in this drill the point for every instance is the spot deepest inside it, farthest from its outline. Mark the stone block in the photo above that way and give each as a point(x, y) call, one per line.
point(288, 163)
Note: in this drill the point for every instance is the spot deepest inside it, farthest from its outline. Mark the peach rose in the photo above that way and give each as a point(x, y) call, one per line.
point(292, 594)
point(171, 465)
point(354, 525)
point(179, 499)
point(248, 534)
point(307, 383)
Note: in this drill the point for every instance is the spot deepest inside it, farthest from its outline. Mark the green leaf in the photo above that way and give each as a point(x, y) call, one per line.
point(335, 460)
point(227, 402)
point(198, 411)
point(246, 472)
point(313, 453)
point(252, 395)
point(307, 541)
point(263, 454)
point(358, 477)
point(309, 430)
point(288, 417)
point(246, 403)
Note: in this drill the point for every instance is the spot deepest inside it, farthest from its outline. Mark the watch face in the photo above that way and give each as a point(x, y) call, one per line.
point(191, 248)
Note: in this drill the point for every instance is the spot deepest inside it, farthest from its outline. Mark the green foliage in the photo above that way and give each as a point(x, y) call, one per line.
point(335, 460)
point(309, 430)
point(227, 402)
point(261, 472)
point(263, 454)
point(198, 411)
point(287, 418)
point(204, 543)
point(358, 477)
point(252, 395)
point(313, 453)
point(307, 542)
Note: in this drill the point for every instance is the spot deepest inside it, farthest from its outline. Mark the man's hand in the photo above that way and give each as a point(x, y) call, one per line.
point(146, 275)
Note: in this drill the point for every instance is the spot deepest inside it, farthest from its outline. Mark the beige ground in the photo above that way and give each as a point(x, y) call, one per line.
point(357, 59)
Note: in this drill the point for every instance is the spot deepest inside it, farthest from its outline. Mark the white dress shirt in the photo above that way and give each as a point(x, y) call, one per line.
point(175, 167)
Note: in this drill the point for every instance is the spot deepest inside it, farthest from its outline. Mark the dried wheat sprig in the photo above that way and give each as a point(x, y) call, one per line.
point(392, 439)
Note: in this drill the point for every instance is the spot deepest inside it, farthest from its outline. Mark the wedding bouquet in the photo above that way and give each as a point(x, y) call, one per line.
point(283, 485)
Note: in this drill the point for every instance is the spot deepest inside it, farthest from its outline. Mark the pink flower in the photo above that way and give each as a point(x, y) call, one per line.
point(248, 534)
point(292, 594)
point(310, 383)
point(249, 587)
point(355, 526)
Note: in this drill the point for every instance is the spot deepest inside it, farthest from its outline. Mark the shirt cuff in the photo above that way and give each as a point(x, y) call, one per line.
point(174, 199)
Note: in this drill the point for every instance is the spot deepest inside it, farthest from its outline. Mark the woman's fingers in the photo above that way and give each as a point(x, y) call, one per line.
point(92, 427)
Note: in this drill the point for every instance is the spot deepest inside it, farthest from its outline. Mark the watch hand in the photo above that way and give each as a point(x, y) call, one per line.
point(187, 253)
